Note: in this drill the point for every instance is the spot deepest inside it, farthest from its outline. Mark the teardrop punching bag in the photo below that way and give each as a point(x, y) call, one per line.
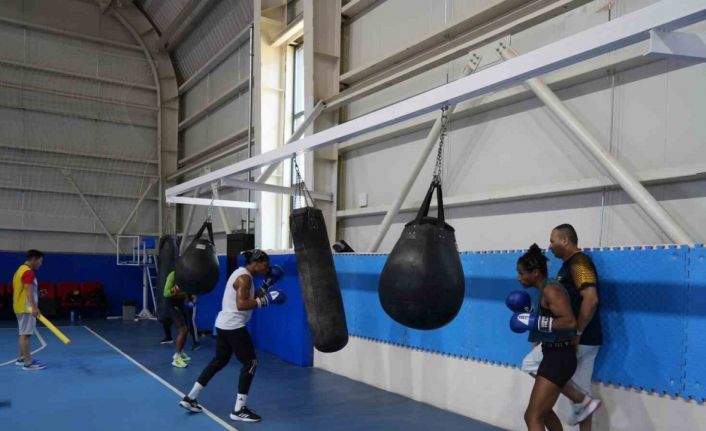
point(317, 276)
point(197, 270)
point(422, 284)
point(168, 253)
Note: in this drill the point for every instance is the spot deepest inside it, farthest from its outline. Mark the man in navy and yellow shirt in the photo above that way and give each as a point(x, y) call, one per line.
point(25, 305)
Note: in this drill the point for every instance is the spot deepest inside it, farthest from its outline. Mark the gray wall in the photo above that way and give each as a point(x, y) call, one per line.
point(648, 116)
point(71, 104)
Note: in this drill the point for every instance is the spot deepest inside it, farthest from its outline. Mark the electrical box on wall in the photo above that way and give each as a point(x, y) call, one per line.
point(362, 200)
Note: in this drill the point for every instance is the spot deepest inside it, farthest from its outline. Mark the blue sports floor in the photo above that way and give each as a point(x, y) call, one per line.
point(115, 376)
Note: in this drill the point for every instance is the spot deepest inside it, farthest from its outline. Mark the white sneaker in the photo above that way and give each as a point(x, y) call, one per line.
point(585, 411)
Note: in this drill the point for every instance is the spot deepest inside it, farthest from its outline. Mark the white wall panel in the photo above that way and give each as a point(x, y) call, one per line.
point(39, 200)
point(391, 26)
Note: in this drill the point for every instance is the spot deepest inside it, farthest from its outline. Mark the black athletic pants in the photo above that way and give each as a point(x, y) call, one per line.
point(232, 342)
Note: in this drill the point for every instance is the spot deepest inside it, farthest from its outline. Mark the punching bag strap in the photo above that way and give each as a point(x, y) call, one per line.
point(206, 226)
point(426, 205)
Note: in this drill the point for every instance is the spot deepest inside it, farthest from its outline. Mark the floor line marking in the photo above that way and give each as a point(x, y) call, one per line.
point(210, 414)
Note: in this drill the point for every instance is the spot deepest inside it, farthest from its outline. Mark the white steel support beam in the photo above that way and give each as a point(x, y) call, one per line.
point(356, 7)
point(431, 142)
point(76, 96)
point(691, 46)
point(65, 114)
point(585, 185)
point(293, 31)
point(318, 109)
point(217, 59)
point(208, 202)
point(24, 147)
point(69, 34)
point(70, 179)
point(623, 31)
point(137, 206)
point(221, 211)
point(620, 173)
point(23, 188)
point(270, 188)
point(94, 78)
point(76, 168)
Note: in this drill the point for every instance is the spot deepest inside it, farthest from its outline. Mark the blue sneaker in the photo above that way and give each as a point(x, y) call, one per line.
point(34, 366)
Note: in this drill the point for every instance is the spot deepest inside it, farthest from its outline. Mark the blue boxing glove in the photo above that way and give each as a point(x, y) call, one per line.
point(519, 301)
point(275, 274)
point(521, 322)
point(273, 297)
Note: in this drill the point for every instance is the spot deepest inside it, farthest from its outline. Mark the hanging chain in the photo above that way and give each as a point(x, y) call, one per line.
point(209, 211)
point(439, 167)
point(301, 191)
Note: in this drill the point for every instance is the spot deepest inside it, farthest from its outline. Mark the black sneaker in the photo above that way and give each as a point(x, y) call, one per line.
point(196, 346)
point(190, 404)
point(245, 415)
point(167, 341)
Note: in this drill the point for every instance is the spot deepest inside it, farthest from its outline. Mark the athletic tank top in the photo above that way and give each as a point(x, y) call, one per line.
point(574, 300)
point(230, 317)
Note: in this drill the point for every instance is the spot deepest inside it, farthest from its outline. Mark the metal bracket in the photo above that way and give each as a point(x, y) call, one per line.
point(677, 44)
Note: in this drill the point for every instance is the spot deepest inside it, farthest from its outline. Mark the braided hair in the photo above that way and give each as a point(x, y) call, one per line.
point(533, 259)
point(254, 255)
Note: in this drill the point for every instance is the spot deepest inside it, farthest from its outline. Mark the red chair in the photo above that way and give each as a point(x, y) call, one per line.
point(3, 299)
point(47, 298)
point(69, 295)
point(93, 296)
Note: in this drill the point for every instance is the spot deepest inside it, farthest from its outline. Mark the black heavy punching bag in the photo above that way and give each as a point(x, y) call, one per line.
point(197, 271)
point(317, 276)
point(166, 260)
point(422, 283)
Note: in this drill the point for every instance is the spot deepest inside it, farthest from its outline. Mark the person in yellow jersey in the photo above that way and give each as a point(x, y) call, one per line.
point(174, 299)
point(25, 304)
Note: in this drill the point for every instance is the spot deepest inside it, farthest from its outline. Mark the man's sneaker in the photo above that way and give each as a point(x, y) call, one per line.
point(190, 404)
point(20, 361)
point(196, 346)
point(179, 363)
point(245, 415)
point(582, 412)
point(34, 366)
point(167, 341)
point(185, 357)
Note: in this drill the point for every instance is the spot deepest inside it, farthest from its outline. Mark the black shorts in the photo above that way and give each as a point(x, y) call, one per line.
point(175, 309)
point(558, 364)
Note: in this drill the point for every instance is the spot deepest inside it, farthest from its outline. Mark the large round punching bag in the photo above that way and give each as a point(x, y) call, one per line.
point(197, 270)
point(168, 251)
point(422, 284)
point(317, 276)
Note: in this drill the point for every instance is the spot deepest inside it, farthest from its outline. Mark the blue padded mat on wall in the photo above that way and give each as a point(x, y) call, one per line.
point(651, 313)
point(695, 371)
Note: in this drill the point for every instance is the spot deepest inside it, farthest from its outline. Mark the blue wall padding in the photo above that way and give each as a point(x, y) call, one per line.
point(119, 282)
point(282, 329)
point(653, 307)
point(695, 356)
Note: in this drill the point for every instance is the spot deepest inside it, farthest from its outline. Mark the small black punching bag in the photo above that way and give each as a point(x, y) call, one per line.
point(197, 270)
point(422, 284)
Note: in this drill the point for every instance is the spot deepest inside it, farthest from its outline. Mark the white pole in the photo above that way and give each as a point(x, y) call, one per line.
point(621, 175)
point(318, 109)
point(70, 179)
point(430, 143)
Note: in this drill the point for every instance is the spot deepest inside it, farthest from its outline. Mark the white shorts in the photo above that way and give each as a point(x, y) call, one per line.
point(26, 323)
point(586, 357)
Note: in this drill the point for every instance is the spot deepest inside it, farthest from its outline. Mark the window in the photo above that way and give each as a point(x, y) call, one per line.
point(298, 90)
